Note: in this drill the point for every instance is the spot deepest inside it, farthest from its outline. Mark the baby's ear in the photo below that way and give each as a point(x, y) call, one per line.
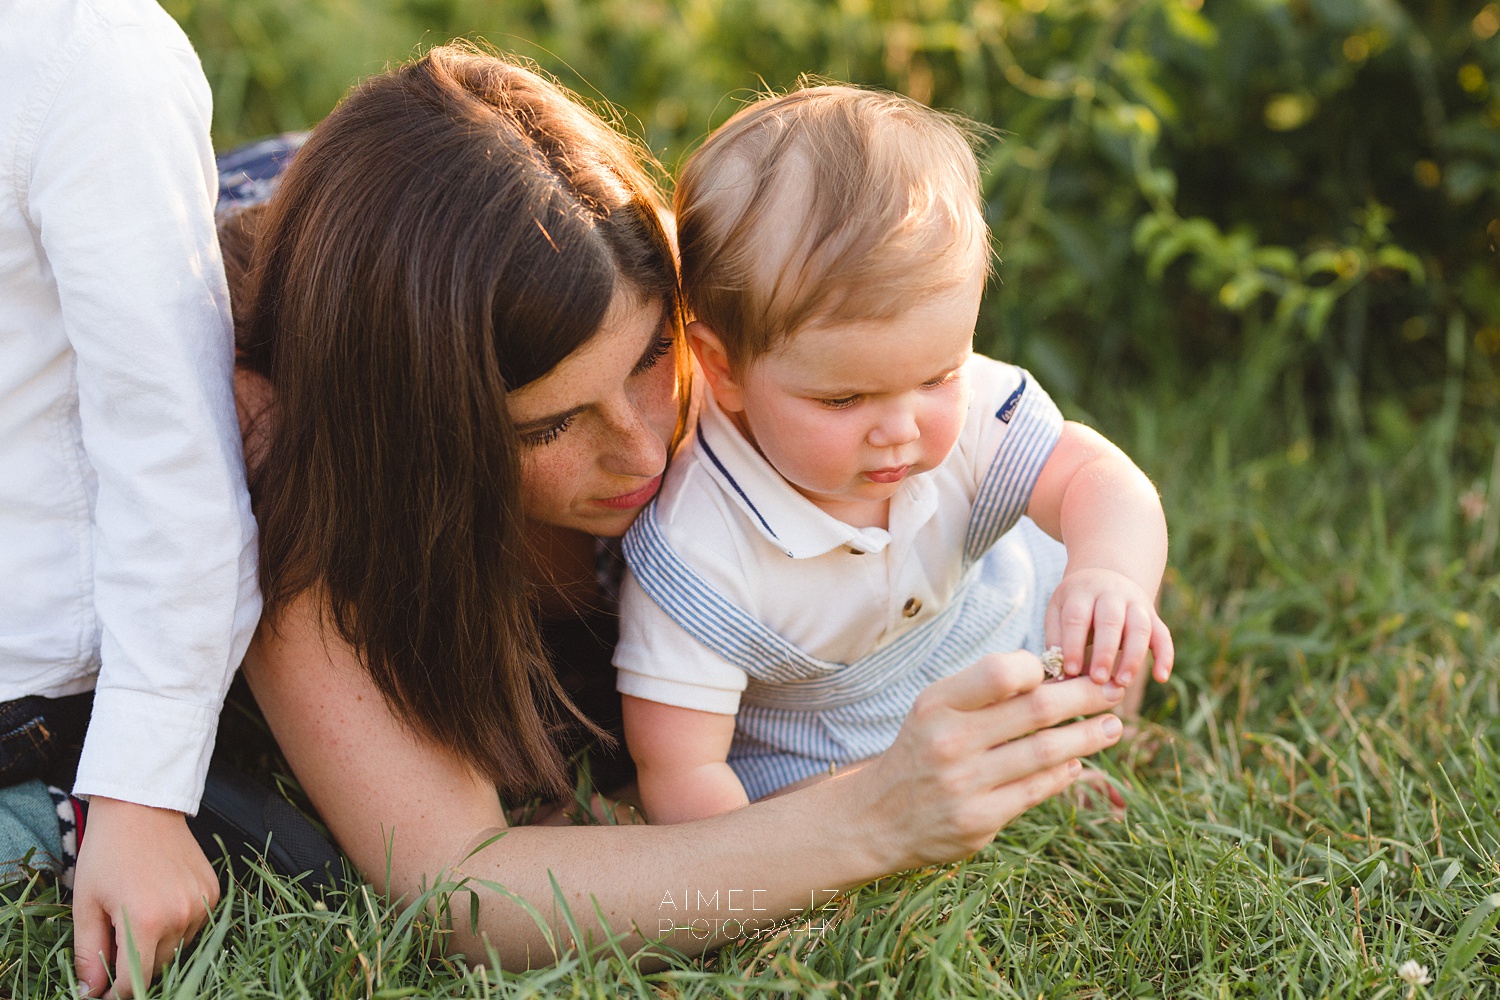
point(713, 359)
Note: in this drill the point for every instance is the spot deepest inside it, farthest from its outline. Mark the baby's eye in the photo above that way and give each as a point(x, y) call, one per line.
point(940, 380)
point(658, 350)
point(546, 435)
point(841, 403)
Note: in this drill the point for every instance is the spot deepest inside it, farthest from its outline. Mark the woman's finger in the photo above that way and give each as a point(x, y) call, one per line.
point(1047, 748)
point(1038, 767)
point(994, 678)
point(1003, 804)
point(1041, 709)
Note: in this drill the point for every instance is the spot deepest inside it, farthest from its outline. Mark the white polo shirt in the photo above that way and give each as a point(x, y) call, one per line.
point(836, 591)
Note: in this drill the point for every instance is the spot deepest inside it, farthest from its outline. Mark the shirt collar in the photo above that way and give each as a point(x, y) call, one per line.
point(784, 517)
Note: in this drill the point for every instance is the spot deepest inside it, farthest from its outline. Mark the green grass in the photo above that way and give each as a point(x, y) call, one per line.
point(1313, 799)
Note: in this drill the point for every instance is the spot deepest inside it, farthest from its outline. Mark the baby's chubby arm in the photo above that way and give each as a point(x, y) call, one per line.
point(1093, 497)
point(680, 756)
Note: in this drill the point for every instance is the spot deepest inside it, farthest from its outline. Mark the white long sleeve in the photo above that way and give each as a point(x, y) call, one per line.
point(127, 547)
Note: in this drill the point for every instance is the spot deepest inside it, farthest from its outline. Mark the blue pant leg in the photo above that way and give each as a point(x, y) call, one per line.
point(28, 824)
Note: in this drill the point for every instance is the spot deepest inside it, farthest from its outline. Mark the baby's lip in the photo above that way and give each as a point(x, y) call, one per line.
point(635, 498)
point(892, 474)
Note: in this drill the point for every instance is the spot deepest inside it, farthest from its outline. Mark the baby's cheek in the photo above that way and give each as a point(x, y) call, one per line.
point(820, 455)
point(941, 434)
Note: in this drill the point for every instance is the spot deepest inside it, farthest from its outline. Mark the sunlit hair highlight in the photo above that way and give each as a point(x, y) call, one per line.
point(826, 204)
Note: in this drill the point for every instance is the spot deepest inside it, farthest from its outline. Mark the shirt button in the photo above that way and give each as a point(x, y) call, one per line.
point(911, 607)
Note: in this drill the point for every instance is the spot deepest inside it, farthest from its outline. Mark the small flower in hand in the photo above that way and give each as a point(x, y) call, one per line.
point(1052, 663)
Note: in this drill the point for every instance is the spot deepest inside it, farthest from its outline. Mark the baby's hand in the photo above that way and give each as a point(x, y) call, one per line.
point(1122, 619)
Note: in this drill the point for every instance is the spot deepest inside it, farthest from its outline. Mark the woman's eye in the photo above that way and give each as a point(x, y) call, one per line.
point(841, 403)
point(535, 439)
point(658, 350)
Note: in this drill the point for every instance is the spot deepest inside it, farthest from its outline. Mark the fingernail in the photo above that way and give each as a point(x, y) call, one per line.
point(1075, 768)
point(1113, 692)
point(1111, 726)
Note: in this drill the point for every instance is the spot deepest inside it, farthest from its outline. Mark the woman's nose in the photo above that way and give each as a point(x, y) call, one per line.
point(635, 445)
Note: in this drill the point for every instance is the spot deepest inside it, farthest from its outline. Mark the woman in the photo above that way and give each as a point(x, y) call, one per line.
point(460, 332)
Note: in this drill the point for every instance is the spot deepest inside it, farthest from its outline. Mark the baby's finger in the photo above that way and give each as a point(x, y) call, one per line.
point(1076, 616)
point(1109, 624)
point(1138, 622)
point(1162, 648)
point(1052, 623)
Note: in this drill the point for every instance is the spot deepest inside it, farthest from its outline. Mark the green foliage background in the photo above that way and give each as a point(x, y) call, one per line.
point(1297, 199)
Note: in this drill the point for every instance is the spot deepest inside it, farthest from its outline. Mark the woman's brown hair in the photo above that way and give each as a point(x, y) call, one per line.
point(452, 231)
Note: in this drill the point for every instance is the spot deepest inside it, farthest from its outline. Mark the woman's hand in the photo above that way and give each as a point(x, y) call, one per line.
point(977, 749)
point(140, 866)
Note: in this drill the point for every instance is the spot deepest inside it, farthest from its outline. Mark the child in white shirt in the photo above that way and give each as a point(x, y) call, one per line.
point(127, 548)
point(865, 506)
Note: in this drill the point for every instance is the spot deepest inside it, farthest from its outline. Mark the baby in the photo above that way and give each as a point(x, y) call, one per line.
point(866, 505)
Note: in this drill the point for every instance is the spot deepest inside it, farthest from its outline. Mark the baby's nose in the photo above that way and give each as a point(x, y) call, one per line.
point(897, 427)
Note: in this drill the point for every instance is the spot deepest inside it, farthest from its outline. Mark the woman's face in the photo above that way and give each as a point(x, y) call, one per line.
point(595, 429)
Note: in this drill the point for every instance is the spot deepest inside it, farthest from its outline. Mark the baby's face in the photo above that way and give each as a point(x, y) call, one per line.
point(846, 412)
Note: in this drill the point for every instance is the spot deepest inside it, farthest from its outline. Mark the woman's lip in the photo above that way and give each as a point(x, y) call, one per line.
point(625, 501)
point(892, 475)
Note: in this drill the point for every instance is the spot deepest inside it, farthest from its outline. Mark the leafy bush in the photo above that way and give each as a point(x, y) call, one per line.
point(1296, 202)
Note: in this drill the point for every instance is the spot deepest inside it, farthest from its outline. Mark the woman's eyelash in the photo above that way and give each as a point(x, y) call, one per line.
point(535, 439)
point(659, 350)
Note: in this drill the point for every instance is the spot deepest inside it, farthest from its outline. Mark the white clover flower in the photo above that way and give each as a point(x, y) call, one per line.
point(1413, 974)
point(1052, 661)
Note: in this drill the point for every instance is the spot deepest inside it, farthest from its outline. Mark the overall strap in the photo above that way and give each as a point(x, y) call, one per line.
point(1035, 424)
point(782, 674)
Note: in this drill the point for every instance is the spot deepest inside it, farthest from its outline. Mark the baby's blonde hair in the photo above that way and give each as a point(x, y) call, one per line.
point(828, 204)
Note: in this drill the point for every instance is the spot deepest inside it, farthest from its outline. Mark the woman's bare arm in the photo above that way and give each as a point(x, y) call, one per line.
point(399, 805)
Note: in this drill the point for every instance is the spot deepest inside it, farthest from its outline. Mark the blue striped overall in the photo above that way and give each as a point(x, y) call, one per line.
point(799, 714)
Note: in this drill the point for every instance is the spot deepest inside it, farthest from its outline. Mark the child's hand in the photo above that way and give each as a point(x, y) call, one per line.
point(1122, 619)
point(142, 865)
